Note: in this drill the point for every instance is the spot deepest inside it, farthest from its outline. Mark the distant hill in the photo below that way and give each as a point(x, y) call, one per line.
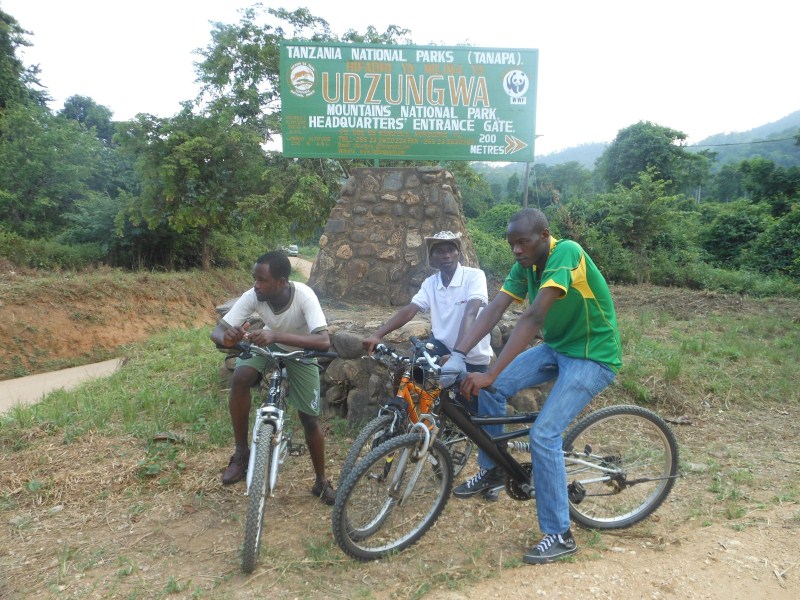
point(773, 141)
point(585, 154)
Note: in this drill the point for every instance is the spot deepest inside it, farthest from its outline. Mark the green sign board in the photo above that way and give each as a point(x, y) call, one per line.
point(408, 102)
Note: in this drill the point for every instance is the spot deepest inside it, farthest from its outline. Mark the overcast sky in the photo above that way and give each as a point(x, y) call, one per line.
point(698, 66)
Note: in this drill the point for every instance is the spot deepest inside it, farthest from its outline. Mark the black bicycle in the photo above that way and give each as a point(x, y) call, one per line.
point(621, 462)
point(271, 440)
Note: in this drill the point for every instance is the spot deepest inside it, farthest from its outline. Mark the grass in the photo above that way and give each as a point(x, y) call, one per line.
point(170, 383)
point(698, 365)
point(723, 359)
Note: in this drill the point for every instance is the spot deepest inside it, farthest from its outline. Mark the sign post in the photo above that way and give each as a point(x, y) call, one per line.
point(408, 102)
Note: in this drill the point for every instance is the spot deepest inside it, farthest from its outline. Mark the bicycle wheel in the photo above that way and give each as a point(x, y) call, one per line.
point(392, 497)
point(621, 464)
point(256, 498)
point(370, 437)
point(459, 445)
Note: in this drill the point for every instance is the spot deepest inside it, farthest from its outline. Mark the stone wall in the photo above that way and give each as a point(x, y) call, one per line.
point(353, 386)
point(373, 248)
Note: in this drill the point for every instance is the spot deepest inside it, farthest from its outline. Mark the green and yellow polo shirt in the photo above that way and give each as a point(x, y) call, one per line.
point(582, 323)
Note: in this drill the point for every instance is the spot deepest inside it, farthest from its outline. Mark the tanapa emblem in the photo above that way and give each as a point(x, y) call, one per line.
point(302, 79)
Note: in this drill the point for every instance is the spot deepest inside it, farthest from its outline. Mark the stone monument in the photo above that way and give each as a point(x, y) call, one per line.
point(373, 248)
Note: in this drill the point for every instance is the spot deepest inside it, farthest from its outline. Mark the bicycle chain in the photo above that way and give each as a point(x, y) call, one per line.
point(514, 490)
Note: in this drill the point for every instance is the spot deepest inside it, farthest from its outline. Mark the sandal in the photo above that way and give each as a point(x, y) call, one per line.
point(237, 469)
point(325, 492)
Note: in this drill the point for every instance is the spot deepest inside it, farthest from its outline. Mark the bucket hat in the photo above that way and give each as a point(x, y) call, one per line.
point(442, 237)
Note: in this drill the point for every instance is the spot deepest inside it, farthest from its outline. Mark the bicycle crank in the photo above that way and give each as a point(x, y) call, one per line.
point(519, 491)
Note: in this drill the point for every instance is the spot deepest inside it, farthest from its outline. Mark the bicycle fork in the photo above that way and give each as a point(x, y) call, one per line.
point(279, 445)
point(421, 453)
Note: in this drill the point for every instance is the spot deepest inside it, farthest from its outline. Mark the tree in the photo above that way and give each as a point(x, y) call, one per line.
point(572, 180)
point(647, 146)
point(295, 200)
point(776, 186)
point(776, 250)
point(16, 81)
point(639, 214)
point(476, 195)
point(241, 82)
point(731, 230)
point(726, 186)
point(512, 189)
point(240, 68)
point(45, 164)
point(194, 169)
point(94, 117)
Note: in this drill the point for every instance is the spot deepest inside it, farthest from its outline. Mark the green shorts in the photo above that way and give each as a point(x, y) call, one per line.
point(303, 381)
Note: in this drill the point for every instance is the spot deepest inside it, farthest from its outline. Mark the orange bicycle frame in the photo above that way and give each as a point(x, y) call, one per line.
point(408, 390)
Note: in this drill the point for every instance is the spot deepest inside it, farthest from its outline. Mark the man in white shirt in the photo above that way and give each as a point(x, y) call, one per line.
point(293, 319)
point(454, 296)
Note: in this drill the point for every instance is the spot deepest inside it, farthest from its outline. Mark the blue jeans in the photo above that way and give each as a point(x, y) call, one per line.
point(577, 382)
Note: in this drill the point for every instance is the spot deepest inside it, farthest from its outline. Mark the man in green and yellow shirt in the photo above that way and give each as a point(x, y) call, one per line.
point(572, 313)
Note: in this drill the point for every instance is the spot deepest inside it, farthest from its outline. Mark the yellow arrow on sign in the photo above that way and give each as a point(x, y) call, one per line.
point(514, 144)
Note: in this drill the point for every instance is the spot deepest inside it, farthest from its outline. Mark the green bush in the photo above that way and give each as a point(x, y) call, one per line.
point(777, 251)
point(732, 228)
point(495, 221)
point(12, 247)
point(239, 250)
point(48, 254)
point(743, 282)
point(493, 253)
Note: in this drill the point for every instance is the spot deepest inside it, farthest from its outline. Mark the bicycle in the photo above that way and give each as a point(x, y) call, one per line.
point(271, 441)
point(416, 390)
point(621, 463)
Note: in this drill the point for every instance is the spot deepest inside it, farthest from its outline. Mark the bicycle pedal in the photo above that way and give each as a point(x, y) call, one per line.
point(492, 495)
point(296, 449)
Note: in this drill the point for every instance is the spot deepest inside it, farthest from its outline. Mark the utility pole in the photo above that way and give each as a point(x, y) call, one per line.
point(527, 174)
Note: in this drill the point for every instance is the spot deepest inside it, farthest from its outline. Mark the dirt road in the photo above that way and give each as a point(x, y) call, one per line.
point(302, 265)
point(26, 390)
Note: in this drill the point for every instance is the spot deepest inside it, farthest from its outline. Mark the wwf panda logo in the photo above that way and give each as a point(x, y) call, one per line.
point(516, 83)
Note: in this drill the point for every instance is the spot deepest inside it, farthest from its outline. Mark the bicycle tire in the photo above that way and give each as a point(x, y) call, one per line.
point(366, 440)
point(256, 498)
point(459, 445)
point(640, 449)
point(368, 521)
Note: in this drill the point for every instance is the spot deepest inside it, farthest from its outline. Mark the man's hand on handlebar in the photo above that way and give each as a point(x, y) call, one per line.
point(234, 335)
point(475, 382)
point(368, 344)
point(454, 369)
point(261, 337)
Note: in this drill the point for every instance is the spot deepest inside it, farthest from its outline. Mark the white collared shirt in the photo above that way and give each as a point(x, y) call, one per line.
point(447, 305)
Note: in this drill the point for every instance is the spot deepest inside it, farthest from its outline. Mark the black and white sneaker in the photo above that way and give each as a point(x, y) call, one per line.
point(552, 547)
point(485, 481)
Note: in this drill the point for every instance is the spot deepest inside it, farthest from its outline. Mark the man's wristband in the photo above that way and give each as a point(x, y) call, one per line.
point(464, 354)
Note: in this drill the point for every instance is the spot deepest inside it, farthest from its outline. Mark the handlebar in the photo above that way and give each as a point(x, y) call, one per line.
point(425, 358)
point(420, 355)
point(247, 349)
